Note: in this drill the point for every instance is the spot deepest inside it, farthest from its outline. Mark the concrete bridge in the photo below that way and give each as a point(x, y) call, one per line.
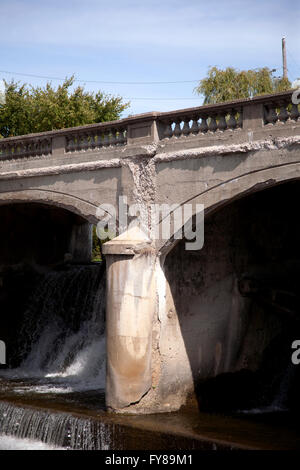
point(174, 317)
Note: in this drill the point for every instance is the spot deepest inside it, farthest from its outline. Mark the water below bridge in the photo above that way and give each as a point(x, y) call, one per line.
point(52, 395)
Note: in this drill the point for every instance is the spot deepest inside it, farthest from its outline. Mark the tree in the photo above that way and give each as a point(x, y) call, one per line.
point(29, 109)
point(231, 84)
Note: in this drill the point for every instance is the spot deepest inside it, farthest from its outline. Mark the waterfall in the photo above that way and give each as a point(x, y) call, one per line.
point(62, 337)
point(55, 429)
point(280, 401)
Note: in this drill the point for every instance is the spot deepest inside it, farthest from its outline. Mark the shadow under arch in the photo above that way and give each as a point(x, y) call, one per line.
point(247, 188)
point(232, 189)
point(21, 272)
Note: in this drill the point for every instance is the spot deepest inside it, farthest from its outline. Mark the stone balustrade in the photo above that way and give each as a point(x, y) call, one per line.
point(91, 139)
point(261, 112)
point(202, 120)
point(279, 110)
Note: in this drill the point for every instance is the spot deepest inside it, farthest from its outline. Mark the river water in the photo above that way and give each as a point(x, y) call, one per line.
point(55, 398)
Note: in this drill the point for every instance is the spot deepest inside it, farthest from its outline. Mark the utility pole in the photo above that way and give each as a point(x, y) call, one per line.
point(284, 66)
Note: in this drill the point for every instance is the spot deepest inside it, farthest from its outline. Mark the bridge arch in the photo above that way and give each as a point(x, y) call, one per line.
point(223, 330)
point(86, 209)
point(232, 189)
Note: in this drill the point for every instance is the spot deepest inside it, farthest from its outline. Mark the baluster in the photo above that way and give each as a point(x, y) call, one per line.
point(283, 114)
point(239, 122)
point(177, 129)
point(83, 141)
point(222, 125)
point(70, 144)
point(101, 139)
point(39, 147)
point(97, 140)
point(6, 149)
point(231, 123)
point(271, 117)
point(168, 132)
point(23, 149)
point(195, 126)
point(9, 150)
point(213, 124)
point(294, 114)
point(42, 147)
point(13, 150)
point(31, 149)
point(92, 143)
point(121, 138)
point(186, 127)
point(113, 139)
point(35, 148)
point(106, 138)
point(77, 143)
point(203, 126)
point(49, 146)
point(46, 147)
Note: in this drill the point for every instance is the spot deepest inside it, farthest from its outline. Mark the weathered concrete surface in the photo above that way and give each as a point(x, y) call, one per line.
point(130, 311)
point(162, 301)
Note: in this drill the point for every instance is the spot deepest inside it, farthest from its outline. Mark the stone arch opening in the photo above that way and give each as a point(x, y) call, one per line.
point(52, 296)
point(233, 308)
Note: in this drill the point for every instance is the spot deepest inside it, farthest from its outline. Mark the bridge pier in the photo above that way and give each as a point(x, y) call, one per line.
point(130, 262)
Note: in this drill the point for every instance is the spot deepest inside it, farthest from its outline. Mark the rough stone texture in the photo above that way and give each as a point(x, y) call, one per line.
point(130, 310)
point(156, 291)
point(207, 327)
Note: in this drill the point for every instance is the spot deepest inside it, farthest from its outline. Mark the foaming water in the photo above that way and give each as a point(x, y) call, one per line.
point(280, 401)
point(26, 428)
point(63, 341)
point(16, 443)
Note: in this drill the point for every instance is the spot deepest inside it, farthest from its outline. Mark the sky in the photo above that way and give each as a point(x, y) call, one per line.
point(134, 42)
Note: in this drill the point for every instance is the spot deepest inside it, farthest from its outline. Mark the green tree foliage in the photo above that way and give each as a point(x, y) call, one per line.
point(29, 109)
point(96, 252)
point(231, 84)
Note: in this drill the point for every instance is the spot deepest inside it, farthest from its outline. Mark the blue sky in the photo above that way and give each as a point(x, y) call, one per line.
point(150, 41)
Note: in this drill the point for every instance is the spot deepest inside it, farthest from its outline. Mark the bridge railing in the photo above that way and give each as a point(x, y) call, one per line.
point(261, 112)
point(229, 116)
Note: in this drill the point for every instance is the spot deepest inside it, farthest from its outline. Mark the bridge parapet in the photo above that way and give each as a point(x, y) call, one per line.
point(209, 123)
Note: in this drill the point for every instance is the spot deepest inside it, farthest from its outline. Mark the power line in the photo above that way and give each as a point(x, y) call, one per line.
point(98, 81)
point(293, 58)
point(164, 99)
point(295, 65)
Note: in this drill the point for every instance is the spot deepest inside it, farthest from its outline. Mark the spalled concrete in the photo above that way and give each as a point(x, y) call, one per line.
point(174, 317)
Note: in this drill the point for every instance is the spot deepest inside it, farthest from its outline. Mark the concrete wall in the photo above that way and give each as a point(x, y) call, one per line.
point(195, 322)
point(207, 327)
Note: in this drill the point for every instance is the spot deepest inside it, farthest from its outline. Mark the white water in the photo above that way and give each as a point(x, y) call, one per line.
point(63, 334)
point(26, 427)
point(16, 443)
point(279, 403)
